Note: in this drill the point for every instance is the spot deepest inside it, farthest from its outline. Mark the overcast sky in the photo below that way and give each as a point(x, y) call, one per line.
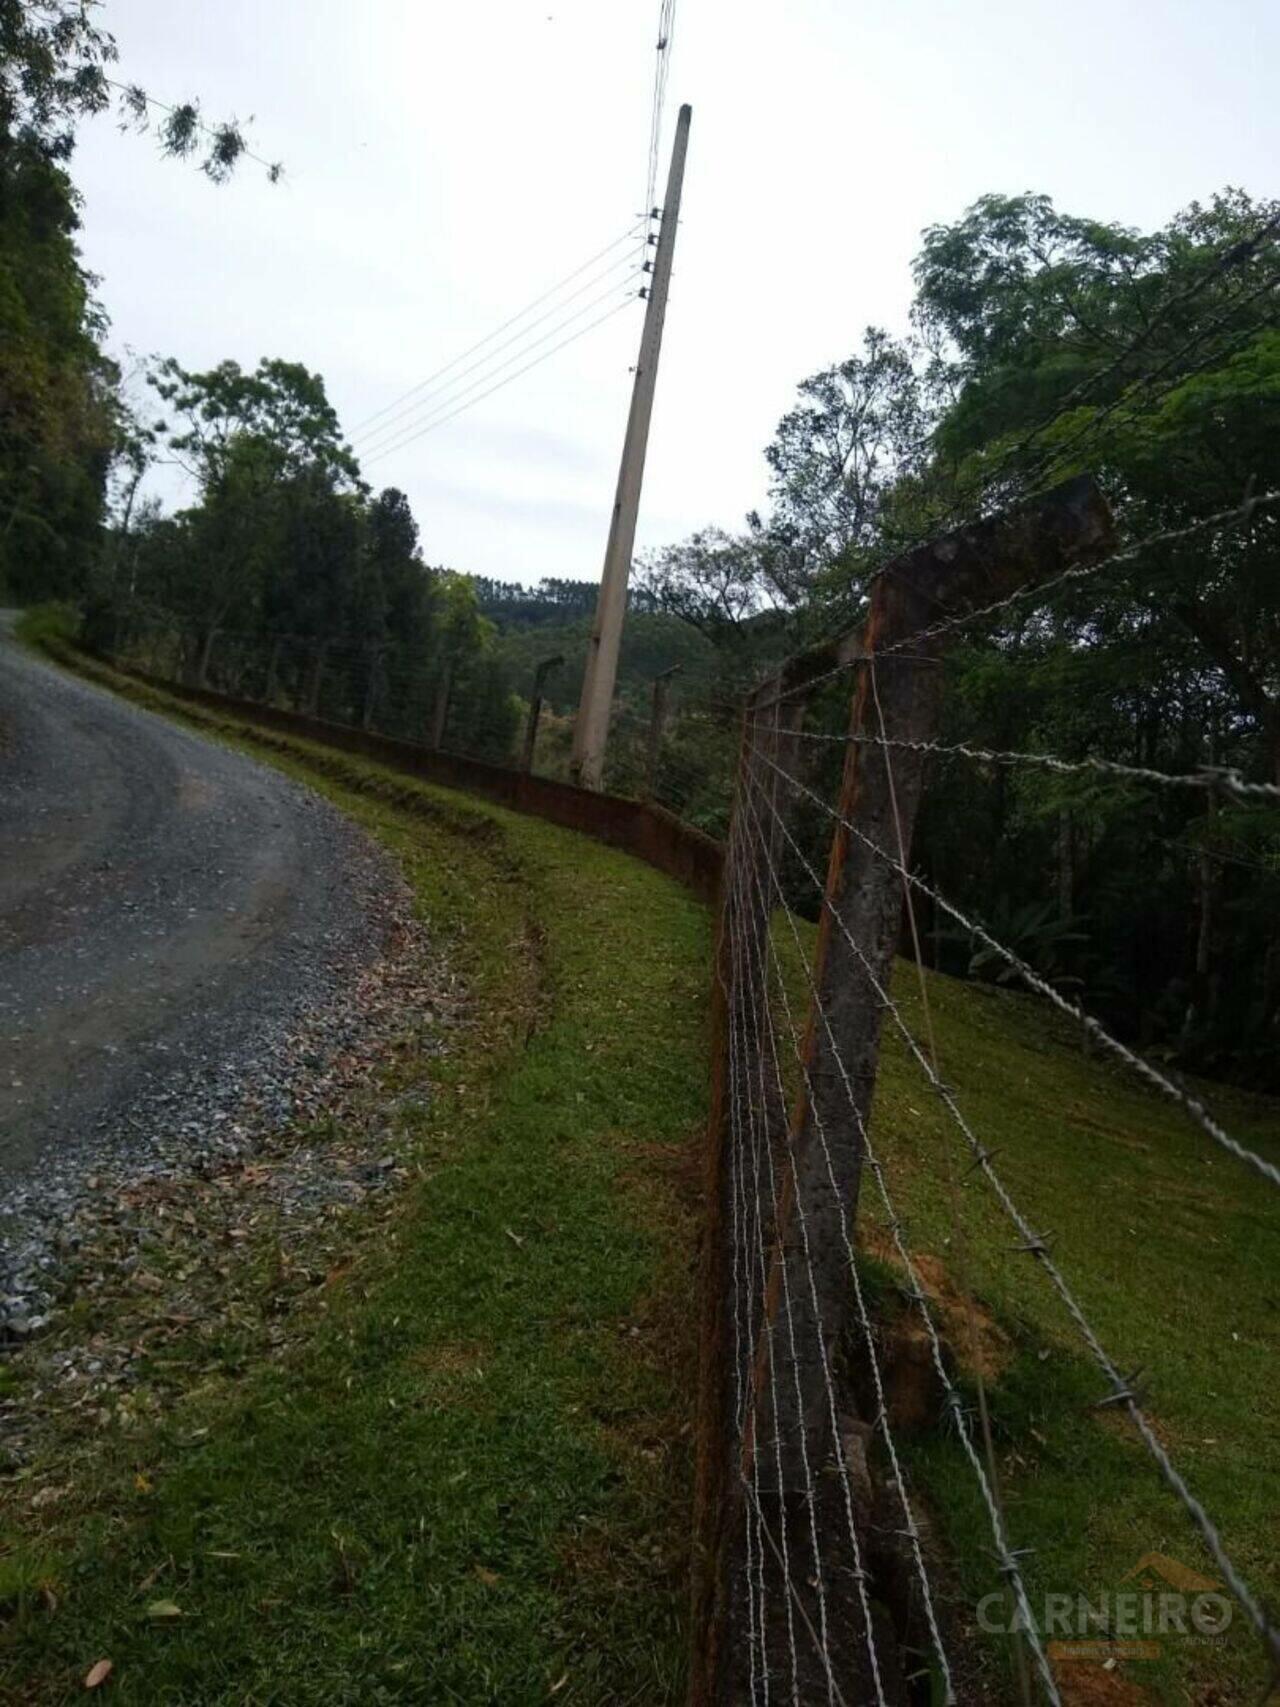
point(446, 164)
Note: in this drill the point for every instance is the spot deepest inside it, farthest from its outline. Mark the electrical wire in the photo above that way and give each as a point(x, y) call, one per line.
point(537, 362)
point(537, 302)
point(439, 394)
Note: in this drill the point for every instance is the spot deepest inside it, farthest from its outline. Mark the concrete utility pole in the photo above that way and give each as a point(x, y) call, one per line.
point(591, 730)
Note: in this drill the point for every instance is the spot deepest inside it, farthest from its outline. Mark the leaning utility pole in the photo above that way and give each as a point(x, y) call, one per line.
point(591, 730)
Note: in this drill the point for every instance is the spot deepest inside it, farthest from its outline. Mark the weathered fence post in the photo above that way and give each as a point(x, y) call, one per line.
point(271, 686)
point(373, 683)
point(319, 658)
point(540, 675)
point(440, 709)
point(823, 1150)
point(657, 722)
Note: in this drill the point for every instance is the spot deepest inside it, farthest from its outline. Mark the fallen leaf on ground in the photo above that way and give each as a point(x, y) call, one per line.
point(97, 1674)
point(164, 1609)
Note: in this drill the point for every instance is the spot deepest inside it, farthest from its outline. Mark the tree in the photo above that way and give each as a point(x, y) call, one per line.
point(60, 414)
point(54, 70)
point(839, 455)
point(58, 408)
point(268, 458)
point(1153, 361)
point(280, 405)
point(1055, 323)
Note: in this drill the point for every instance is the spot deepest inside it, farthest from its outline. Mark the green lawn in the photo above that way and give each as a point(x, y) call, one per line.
point(470, 1480)
point(1172, 1247)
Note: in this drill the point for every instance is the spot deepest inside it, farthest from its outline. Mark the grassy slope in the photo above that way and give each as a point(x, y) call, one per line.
point(1173, 1249)
point(560, 1440)
point(469, 1482)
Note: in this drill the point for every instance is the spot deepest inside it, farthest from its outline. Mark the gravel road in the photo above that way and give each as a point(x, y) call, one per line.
point(173, 916)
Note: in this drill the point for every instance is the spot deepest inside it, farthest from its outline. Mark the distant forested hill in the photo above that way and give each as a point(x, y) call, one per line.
point(555, 617)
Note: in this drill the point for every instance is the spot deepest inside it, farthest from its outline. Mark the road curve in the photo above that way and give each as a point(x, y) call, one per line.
point(167, 908)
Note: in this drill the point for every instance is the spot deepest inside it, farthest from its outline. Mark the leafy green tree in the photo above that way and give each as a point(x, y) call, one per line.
point(839, 455)
point(58, 409)
point(1044, 312)
point(55, 65)
point(1153, 361)
point(272, 529)
point(61, 420)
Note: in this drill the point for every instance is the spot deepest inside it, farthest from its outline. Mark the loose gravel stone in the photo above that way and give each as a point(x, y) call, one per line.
point(204, 970)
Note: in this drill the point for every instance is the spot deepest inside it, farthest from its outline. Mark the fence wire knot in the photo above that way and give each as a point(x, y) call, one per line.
point(1126, 1392)
point(1036, 1244)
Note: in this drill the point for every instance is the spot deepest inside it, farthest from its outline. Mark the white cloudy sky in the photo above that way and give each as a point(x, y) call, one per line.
point(448, 163)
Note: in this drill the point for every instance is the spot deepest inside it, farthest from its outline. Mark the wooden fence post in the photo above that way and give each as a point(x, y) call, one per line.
point(540, 675)
point(657, 721)
point(440, 709)
point(375, 652)
point(272, 685)
point(319, 658)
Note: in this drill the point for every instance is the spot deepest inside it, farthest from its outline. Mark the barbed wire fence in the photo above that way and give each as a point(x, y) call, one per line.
point(814, 1581)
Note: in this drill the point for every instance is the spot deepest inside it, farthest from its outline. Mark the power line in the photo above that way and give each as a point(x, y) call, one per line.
point(498, 330)
point(1142, 1067)
point(661, 72)
point(510, 380)
point(434, 395)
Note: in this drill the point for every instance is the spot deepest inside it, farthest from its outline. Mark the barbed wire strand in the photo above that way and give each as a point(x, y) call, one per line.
point(1209, 779)
point(763, 1013)
point(860, 1302)
point(919, 1298)
point(537, 302)
point(972, 501)
point(761, 1142)
point(953, 1184)
point(1160, 1081)
point(810, 1481)
point(1127, 398)
point(1036, 1245)
point(743, 1320)
point(1097, 1031)
point(1237, 515)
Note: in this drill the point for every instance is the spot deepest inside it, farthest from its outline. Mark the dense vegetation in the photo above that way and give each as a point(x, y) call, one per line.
point(1044, 345)
point(63, 425)
point(1041, 344)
